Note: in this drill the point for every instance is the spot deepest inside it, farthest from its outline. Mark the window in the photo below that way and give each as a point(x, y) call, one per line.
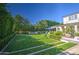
point(73, 17)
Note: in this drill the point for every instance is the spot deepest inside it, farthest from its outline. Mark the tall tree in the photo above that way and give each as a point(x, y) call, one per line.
point(6, 25)
point(41, 25)
point(22, 24)
point(6, 21)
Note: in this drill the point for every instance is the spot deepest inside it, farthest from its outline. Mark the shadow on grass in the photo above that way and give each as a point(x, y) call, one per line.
point(52, 51)
point(57, 50)
point(27, 41)
point(23, 42)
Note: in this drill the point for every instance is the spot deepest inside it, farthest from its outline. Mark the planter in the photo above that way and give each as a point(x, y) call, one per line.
point(68, 36)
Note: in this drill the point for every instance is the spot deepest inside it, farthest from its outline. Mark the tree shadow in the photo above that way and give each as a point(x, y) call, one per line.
point(53, 51)
point(23, 42)
point(27, 41)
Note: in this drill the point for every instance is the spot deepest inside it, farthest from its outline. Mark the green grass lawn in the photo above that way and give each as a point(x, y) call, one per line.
point(57, 50)
point(22, 41)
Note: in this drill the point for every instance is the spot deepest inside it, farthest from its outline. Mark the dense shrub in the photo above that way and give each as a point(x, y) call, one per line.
point(55, 35)
point(69, 30)
point(6, 25)
point(77, 34)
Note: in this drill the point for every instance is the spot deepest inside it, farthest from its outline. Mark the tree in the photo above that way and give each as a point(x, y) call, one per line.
point(22, 24)
point(6, 21)
point(6, 25)
point(43, 24)
point(70, 30)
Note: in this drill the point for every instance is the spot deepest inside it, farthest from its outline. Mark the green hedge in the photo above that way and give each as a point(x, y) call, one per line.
point(77, 34)
point(55, 35)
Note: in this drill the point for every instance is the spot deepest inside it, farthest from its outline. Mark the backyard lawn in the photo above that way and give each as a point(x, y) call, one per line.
point(36, 44)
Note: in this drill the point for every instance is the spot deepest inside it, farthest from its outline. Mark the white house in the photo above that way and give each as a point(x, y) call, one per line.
point(71, 19)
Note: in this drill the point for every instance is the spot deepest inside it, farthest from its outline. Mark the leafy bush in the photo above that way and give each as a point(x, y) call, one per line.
point(6, 25)
point(55, 35)
point(77, 34)
point(69, 30)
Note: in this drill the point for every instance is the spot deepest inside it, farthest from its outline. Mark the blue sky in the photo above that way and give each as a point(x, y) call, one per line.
point(39, 11)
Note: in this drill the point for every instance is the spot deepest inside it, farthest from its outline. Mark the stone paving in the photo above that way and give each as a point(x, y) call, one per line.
point(71, 51)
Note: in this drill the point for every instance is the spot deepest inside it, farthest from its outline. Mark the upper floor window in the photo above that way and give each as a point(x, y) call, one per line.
point(73, 17)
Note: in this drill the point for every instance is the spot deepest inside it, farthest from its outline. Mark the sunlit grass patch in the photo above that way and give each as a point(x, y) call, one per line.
point(57, 49)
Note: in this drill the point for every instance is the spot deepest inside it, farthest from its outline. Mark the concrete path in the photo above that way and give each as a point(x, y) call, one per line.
point(71, 51)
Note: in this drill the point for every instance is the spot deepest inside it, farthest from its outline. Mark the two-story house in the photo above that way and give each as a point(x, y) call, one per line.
point(71, 19)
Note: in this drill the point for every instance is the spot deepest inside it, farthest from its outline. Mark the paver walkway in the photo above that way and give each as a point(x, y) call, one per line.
point(71, 51)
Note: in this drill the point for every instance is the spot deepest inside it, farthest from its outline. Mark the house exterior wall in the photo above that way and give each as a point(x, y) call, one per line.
point(59, 28)
point(66, 19)
point(69, 20)
point(75, 28)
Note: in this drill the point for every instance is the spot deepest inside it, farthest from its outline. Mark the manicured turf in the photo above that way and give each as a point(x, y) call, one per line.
point(26, 41)
point(37, 49)
point(23, 41)
point(57, 50)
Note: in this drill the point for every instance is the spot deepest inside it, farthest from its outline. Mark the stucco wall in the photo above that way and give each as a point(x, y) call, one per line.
point(66, 19)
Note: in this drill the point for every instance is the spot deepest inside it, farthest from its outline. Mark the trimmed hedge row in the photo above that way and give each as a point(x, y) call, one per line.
point(55, 35)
